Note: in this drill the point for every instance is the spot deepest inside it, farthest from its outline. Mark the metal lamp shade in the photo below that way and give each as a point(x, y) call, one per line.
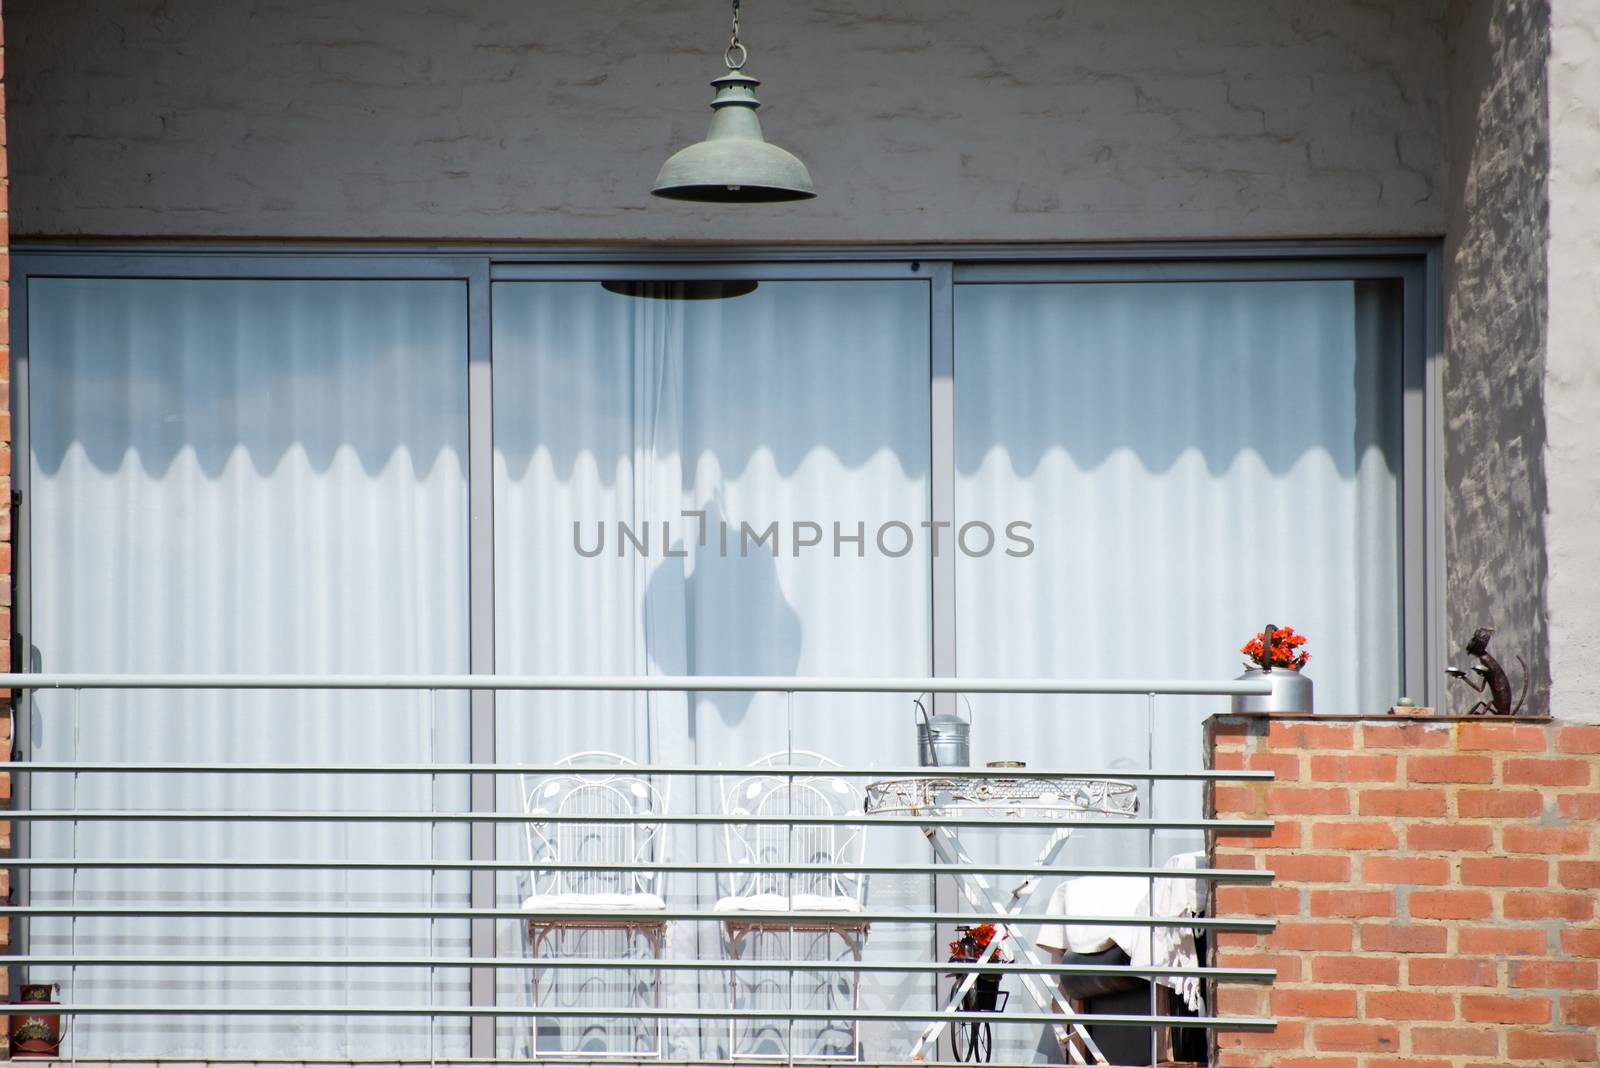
point(734, 164)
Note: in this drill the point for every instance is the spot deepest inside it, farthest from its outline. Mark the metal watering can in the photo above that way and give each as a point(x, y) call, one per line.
point(943, 741)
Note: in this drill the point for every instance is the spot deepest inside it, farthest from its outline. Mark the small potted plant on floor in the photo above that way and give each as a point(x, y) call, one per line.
point(970, 948)
point(972, 1039)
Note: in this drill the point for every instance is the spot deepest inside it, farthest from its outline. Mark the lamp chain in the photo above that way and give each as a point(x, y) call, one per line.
point(736, 47)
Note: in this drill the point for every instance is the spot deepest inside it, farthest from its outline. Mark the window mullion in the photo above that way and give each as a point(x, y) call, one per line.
point(942, 474)
point(481, 716)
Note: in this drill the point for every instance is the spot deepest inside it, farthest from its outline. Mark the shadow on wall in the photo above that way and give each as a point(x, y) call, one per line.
point(1495, 335)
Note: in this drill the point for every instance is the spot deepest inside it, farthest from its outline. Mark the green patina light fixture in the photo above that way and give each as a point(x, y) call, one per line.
point(734, 164)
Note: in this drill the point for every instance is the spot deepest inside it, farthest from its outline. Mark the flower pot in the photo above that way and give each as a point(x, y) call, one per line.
point(36, 1034)
point(984, 995)
point(1291, 692)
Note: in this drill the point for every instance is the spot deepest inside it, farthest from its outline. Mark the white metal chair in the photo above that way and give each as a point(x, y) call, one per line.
point(564, 899)
point(794, 784)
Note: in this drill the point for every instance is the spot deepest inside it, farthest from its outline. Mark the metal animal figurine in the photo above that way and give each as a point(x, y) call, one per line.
point(1490, 676)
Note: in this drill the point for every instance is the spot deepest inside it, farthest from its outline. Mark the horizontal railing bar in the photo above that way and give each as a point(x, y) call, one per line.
point(697, 819)
point(1238, 1023)
point(1205, 874)
point(578, 1060)
point(37, 767)
point(1248, 975)
point(633, 683)
point(632, 917)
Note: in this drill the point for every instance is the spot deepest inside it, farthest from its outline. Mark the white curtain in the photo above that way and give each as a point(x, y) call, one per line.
point(249, 476)
point(1197, 460)
point(269, 477)
point(797, 402)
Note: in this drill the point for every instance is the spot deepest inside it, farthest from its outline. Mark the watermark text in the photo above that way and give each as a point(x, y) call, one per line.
point(893, 539)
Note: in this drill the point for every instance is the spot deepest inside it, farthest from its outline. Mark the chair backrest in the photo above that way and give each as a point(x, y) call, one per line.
point(793, 784)
point(600, 784)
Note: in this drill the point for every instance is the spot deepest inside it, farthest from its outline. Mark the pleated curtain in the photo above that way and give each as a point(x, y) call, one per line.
point(262, 477)
point(270, 477)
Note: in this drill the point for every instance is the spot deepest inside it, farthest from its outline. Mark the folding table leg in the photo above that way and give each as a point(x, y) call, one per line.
point(930, 1034)
point(947, 846)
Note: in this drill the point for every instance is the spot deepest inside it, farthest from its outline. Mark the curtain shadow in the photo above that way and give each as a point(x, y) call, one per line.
point(148, 369)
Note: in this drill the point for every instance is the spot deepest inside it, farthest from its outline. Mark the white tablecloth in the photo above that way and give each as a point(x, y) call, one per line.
point(1129, 896)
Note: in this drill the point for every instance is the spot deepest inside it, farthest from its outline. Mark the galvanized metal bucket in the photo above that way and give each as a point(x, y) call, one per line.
point(943, 741)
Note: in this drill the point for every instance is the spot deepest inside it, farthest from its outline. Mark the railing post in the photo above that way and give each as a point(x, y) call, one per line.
point(433, 873)
point(1150, 862)
point(72, 971)
point(480, 616)
point(483, 984)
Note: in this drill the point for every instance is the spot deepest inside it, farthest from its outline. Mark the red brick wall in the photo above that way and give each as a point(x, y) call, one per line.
point(1436, 891)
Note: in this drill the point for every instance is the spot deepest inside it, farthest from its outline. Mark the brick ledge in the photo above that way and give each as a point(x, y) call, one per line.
point(1384, 717)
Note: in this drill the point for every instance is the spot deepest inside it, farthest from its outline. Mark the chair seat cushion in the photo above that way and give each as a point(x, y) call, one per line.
point(547, 904)
point(787, 903)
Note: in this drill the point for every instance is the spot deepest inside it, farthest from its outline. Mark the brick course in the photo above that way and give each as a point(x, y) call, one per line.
point(1435, 890)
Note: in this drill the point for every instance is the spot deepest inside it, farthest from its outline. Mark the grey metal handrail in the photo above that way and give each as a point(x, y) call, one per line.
point(37, 767)
point(666, 964)
point(798, 916)
point(633, 683)
point(1231, 1023)
point(1238, 875)
point(312, 815)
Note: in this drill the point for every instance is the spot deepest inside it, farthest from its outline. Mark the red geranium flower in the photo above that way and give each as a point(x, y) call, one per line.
point(972, 945)
point(1285, 650)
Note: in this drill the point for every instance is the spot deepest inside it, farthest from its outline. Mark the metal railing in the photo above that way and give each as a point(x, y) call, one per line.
point(484, 910)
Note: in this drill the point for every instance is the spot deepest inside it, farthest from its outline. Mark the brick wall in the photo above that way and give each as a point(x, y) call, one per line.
point(1435, 895)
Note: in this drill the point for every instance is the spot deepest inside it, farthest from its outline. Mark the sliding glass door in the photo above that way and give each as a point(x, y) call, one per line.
point(692, 480)
point(256, 477)
point(854, 468)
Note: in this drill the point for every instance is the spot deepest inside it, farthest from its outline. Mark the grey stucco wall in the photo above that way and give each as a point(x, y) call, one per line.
point(938, 120)
point(1495, 311)
point(1572, 381)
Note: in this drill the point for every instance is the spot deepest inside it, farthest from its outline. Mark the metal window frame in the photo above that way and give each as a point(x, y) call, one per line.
point(1415, 264)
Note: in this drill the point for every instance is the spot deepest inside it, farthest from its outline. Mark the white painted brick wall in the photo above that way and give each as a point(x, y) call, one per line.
point(1572, 381)
point(546, 119)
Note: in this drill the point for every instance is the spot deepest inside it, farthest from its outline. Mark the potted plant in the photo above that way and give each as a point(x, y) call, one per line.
point(36, 1032)
point(970, 948)
point(1276, 655)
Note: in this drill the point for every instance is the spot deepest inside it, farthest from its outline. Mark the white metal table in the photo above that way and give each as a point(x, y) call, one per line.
point(1022, 797)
